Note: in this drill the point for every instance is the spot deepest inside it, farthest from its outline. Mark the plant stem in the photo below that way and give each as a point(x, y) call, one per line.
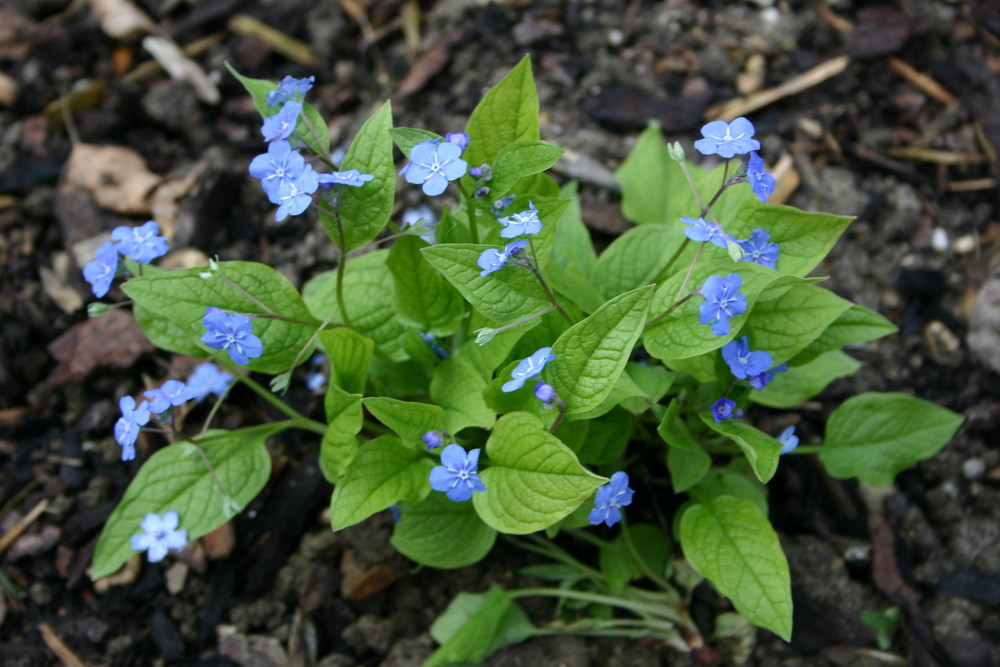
point(525, 319)
point(672, 308)
point(470, 211)
point(640, 561)
point(636, 607)
point(533, 265)
point(300, 420)
point(312, 130)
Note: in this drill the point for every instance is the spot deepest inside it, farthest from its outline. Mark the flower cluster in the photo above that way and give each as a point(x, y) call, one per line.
point(141, 244)
point(287, 179)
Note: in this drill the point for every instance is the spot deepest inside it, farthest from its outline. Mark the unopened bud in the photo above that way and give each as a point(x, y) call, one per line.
point(96, 309)
point(485, 335)
point(676, 151)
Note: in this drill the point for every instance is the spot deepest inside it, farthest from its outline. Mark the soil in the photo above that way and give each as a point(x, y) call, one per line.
point(905, 138)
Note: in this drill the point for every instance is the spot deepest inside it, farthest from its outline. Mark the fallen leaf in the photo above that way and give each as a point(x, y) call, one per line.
point(116, 176)
point(121, 19)
point(182, 68)
point(113, 340)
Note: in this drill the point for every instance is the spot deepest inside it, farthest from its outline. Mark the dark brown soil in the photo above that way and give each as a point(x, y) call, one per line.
point(917, 165)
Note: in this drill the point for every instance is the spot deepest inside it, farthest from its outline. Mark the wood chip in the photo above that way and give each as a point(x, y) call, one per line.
point(742, 106)
point(121, 19)
point(181, 68)
point(920, 154)
point(57, 646)
point(972, 185)
point(291, 48)
point(921, 81)
point(22, 525)
point(786, 180)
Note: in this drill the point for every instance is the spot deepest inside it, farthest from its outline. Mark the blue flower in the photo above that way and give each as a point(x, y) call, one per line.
point(528, 368)
point(518, 224)
point(127, 426)
point(456, 475)
point(701, 230)
point(610, 499)
point(100, 273)
point(432, 164)
point(460, 139)
point(544, 392)
point(172, 393)
point(295, 196)
point(279, 165)
point(761, 182)
point(282, 124)
point(438, 350)
point(759, 249)
point(290, 89)
point(232, 333)
point(159, 535)
point(727, 139)
point(722, 301)
point(761, 380)
point(433, 439)
point(350, 177)
point(725, 408)
point(140, 244)
point(742, 362)
point(789, 441)
point(492, 259)
point(208, 379)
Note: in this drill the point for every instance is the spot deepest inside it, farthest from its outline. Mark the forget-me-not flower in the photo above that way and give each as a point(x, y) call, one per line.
point(100, 273)
point(282, 124)
point(789, 441)
point(290, 89)
point(279, 165)
point(759, 249)
point(208, 379)
point(460, 139)
point(491, 259)
point(127, 426)
point(519, 224)
point(232, 333)
point(159, 535)
point(761, 182)
point(610, 499)
point(544, 392)
point(722, 301)
point(141, 244)
point(727, 139)
point(349, 177)
point(295, 196)
point(699, 229)
point(763, 379)
point(741, 361)
point(456, 476)
point(433, 439)
point(725, 408)
point(171, 393)
point(433, 164)
point(528, 368)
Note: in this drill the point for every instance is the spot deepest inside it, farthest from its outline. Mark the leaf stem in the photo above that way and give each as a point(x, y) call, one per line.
point(300, 420)
point(533, 265)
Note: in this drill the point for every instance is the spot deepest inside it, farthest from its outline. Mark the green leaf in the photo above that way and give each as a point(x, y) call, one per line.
point(344, 418)
point(166, 334)
point(176, 478)
point(591, 354)
point(619, 564)
point(687, 467)
point(350, 355)
point(800, 383)
point(504, 296)
point(636, 257)
point(804, 238)
point(721, 483)
point(365, 210)
point(368, 293)
point(384, 472)
point(731, 544)
point(857, 324)
point(458, 388)
point(507, 113)
point(569, 285)
point(408, 420)
point(533, 481)
point(258, 89)
point(408, 137)
point(520, 159)
point(875, 436)
point(784, 326)
point(474, 625)
point(760, 449)
point(679, 335)
point(674, 431)
point(182, 297)
point(606, 438)
point(573, 249)
point(441, 533)
point(423, 298)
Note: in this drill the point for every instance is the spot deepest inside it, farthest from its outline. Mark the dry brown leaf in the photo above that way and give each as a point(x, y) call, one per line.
point(116, 176)
point(164, 200)
point(55, 282)
point(121, 19)
point(113, 340)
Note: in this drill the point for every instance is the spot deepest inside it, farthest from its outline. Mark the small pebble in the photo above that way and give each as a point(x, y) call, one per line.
point(939, 239)
point(973, 469)
point(965, 244)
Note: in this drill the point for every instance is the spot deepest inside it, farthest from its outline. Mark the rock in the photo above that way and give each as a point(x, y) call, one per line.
point(984, 329)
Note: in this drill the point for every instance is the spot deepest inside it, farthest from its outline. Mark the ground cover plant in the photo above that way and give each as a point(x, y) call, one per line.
point(494, 375)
